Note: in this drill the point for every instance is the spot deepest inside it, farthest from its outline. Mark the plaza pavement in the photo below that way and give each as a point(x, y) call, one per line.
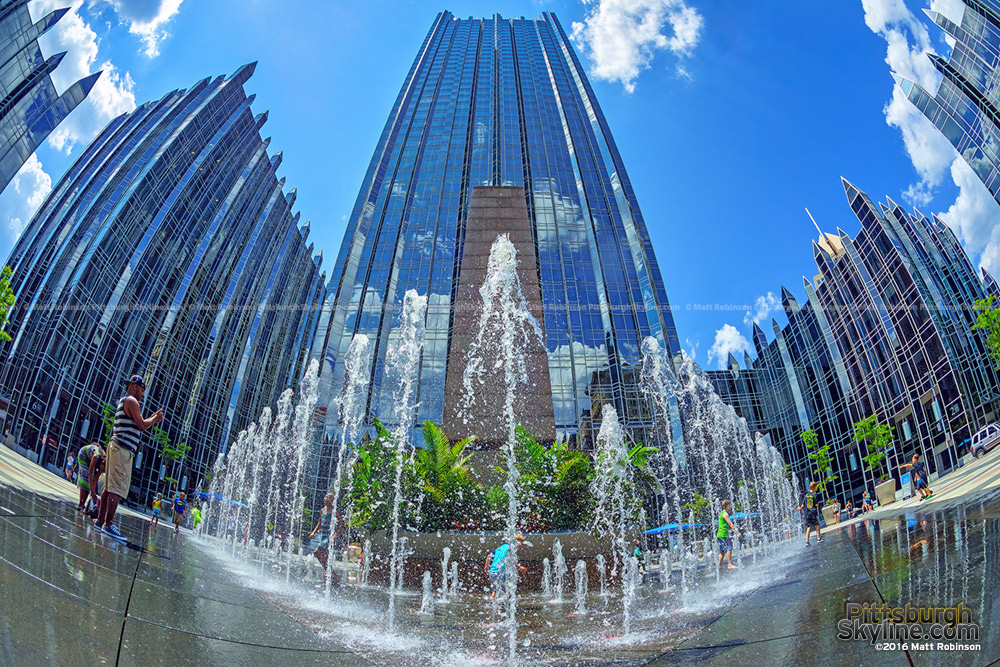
point(71, 596)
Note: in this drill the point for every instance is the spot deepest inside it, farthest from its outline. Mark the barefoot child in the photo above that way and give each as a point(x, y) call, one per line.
point(180, 506)
point(811, 505)
point(722, 534)
point(154, 521)
point(320, 538)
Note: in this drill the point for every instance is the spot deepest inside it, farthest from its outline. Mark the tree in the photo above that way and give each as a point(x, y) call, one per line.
point(169, 451)
point(987, 320)
point(820, 457)
point(880, 438)
point(108, 420)
point(700, 507)
point(371, 482)
point(6, 301)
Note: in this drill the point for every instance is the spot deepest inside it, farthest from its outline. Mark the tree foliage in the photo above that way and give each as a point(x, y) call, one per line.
point(821, 458)
point(987, 320)
point(701, 507)
point(6, 301)
point(880, 438)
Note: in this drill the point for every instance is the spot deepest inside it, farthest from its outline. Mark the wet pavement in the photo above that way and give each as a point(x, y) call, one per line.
point(71, 596)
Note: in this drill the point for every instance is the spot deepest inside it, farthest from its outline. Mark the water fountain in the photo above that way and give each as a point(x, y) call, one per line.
point(580, 575)
point(427, 601)
point(444, 574)
point(719, 451)
point(351, 405)
point(404, 359)
point(614, 495)
point(602, 575)
point(506, 329)
point(703, 445)
point(366, 563)
point(630, 587)
point(559, 572)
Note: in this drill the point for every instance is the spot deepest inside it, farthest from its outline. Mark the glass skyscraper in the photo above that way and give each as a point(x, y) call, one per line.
point(30, 108)
point(966, 106)
point(169, 249)
point(886, 331)
point(506, 103)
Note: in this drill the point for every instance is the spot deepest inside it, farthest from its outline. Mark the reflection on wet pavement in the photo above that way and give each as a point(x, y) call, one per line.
point(73, 596)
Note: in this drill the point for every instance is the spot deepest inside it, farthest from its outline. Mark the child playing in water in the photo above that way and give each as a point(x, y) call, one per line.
point(154, 521)
point(722, 534)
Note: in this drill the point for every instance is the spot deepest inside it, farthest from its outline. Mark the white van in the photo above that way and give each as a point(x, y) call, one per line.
point(984, 440)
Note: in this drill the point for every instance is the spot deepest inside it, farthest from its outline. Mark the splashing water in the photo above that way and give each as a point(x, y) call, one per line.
point(403, 358)
point(506, 329)
point(721, 457)
point(351, 404)
point(559, 573)
point(444, 574)
point(427, 601)
point(580, 575)
point(612, 488)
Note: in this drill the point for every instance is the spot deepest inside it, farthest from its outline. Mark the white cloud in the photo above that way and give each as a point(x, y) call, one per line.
point(621, 37)
point(907, 46)
point(763, 307)
point(691, 351)
point(974, 217)
point(26, 192)
point(146, 19)
point(974, 213)
point(728, 340)
point(111, 96)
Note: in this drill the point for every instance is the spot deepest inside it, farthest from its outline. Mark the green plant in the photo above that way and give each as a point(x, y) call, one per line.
point(167, 449)
point(821, 458)
point(880, 438)
point(107, 420)
point(371, 482)
point(6, 301)
point(451, 498)
point(701, 508)
point(987, 320)
point(553, 484)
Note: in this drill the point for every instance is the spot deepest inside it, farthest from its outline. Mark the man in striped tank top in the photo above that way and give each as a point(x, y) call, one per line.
point(129, 424)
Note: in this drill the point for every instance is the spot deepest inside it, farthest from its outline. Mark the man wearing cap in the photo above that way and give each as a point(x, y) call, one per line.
point(129, 423)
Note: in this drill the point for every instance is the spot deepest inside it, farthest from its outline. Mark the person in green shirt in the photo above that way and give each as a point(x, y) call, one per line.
point(722, 534)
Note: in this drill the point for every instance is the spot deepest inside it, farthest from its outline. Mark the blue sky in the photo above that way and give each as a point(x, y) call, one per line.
point(732, 118)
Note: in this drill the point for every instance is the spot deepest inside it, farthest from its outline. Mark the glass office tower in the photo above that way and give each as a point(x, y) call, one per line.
point(169, 249)
point(30, 108)
point(966, 107)
point(505, 103)
point(886, 331)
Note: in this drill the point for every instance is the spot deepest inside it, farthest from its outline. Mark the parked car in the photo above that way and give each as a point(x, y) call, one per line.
point(984, 440)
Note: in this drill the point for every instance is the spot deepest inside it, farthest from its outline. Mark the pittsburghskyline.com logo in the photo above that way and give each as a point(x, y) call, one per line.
point(909, 627)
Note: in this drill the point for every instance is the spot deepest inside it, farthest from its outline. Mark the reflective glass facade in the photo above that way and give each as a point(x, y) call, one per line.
point(886, 330)
point(966, 107)
point(500, 102)
point(169, 248)
point(30, 108)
